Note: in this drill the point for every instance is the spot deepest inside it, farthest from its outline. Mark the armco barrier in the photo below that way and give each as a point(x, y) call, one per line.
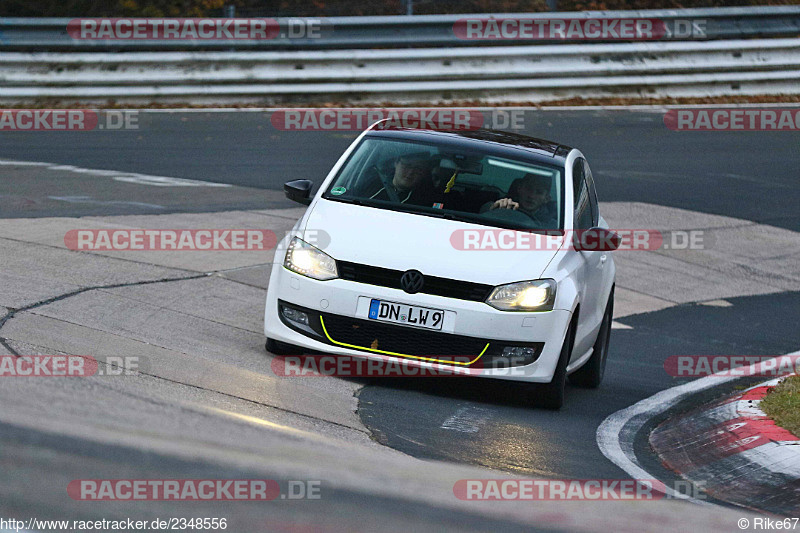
point(530, 73)
point(50, 34)
point(434, 66)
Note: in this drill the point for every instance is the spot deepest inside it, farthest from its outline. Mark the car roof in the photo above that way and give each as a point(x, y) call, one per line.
point(512, 144)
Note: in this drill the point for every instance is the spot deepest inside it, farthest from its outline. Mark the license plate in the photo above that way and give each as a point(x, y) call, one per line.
point(409, 315)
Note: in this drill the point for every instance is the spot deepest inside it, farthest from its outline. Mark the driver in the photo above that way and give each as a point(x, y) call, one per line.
point(530, 194)
point(411, 180)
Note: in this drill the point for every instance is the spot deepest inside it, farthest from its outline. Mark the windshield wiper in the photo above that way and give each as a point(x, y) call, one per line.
point(355, 201)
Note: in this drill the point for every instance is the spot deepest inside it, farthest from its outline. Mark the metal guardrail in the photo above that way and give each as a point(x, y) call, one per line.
point(401, 31)
point(372, 60)
point(531, 73)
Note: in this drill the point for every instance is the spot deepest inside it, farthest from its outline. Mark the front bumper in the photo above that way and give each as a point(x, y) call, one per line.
point(470, 341)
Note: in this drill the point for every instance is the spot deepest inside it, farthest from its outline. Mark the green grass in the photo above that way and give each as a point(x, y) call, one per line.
point(782, 404)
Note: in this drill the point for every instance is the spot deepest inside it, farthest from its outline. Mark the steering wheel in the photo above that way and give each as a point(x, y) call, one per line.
point(517, 216)
point(507, 215)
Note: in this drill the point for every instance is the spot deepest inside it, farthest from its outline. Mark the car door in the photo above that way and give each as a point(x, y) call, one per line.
point(602, 273)
point(592, 263)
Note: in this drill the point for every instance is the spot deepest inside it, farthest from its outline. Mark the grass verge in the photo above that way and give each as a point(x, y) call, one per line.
point(782, 404)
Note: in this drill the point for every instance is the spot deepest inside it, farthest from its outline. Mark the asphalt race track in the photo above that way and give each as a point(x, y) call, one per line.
point(207, 404)
point(748, 175)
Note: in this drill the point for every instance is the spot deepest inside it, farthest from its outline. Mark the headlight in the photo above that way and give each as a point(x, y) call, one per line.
point(306, 260)
point(539, 295)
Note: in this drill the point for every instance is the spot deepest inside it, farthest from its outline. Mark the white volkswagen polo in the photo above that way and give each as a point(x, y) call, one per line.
point(481, 252)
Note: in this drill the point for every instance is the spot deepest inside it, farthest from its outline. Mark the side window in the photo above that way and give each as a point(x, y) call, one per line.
point(592, 194)
point(583, 208)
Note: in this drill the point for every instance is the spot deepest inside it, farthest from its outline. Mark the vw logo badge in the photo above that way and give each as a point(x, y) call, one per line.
point(412, 281)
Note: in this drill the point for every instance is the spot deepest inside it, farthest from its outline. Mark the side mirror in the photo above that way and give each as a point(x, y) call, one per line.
point(299, 191)
point(595, 240)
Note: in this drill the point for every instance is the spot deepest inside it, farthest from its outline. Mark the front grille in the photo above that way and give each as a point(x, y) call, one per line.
point(402, 340)
point(385, 277)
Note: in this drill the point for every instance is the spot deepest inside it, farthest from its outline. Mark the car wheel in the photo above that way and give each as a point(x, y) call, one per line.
point(591, 374)
point(551, 395)
point(281, 348)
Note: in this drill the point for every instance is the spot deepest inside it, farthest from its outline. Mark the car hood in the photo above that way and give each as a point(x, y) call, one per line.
point(434, 246)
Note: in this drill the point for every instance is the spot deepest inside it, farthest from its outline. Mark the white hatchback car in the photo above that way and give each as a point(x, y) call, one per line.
point(475, 251)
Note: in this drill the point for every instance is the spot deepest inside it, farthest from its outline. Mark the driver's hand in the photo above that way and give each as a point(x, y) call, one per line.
point(505, 203)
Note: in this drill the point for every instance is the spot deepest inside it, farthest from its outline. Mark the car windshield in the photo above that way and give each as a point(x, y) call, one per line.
point(442, 181)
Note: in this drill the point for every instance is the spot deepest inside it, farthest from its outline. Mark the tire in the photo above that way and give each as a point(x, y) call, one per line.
point(590, 375)
point(551, 395)
point(281, 348)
